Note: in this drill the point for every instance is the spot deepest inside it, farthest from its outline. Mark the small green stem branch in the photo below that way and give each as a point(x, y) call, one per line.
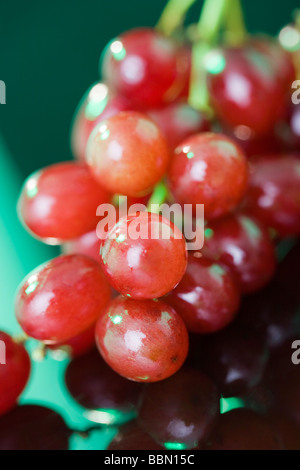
point(236, 32)
point(39, 353)
point(212, 17)
point(198, 94)
point(20, 338)
point(217, 16)
point(297, 17)
point(173, 15)
point(157, 198)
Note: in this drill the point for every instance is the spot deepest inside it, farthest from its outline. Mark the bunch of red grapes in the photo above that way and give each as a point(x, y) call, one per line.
point(157, 333)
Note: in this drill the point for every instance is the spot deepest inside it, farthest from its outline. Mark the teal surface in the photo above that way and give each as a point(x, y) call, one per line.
point(19, 254)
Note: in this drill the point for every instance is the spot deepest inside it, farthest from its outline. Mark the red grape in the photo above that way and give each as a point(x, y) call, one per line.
point(274, 193)
point(98, 103)
point(280, 59)
point(207, 297)
point(295, 126)
point(179, 121)
point(209, 169)
point(146, 67)
point(88, 245)
point(128, 154)
point(78, 345)
point(14, 373)
point(142, 340)
point(244, 245)
point(59, 202)
point(260, 146)
point(146, 266)
point(61, 298)
point(247, 87)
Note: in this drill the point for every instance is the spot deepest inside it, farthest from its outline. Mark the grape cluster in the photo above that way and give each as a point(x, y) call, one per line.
point(157, 333)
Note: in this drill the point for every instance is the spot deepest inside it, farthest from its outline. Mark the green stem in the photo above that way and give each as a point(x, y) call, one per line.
point(20, 338)
point(198, 94)
point(117, 200)
point(39, 353)
point(297, 17)
point(235, 31)
point(173, 15)
point(157, 198)
point(212, 17)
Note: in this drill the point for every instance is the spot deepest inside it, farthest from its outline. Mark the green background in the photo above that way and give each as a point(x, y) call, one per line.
point(49, 53)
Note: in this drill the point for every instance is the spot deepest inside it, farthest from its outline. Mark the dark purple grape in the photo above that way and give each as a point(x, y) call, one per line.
point(180, 410)
point(32, 427)
point(132, 437)
point(286, 428)
point(95, 386)
point(242, 429)
point(283, 373)
point(235, 359)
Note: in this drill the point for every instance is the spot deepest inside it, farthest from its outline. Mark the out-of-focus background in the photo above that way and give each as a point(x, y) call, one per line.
point(49, 55)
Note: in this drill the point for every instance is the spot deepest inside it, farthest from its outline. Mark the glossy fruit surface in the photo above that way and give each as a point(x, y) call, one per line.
point(260, 397)
point(94, 385)
point(207, 297)
point(59, 202)
point(260, 146)
point(247, 87)
point(295, 125)
point(244, 245)
point(128, 154)
point(287, 430)
point(242, 429)
point(287, 278)
point(209, 169)
point(273, 311)
point(142, 340)
point(144, 256)
point(131, 436)
point(235, 359)
point(146, 67)
point(284, 377)
point(179, 121)
point(182, 409)
point(33, 427)
point(289, 39)
point(88, 245)
point(98, 103)
point(78, 345)
point(14, 373)
point(274, 193)
point(280, 59)
point(61, 298)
